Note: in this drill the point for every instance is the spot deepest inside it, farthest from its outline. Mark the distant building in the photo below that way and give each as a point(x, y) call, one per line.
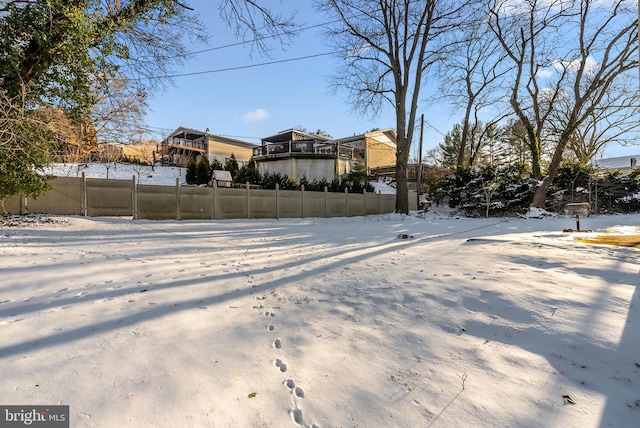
point(625, 164)
point(299, 154)
point(185, 144)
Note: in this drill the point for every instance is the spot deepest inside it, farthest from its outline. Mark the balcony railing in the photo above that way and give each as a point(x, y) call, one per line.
point(308, 147)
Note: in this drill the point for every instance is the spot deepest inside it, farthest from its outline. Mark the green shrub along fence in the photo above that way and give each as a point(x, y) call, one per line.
point(101, 197)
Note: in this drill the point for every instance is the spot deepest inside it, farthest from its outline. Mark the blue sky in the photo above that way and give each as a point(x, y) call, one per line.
point(261, 100)
point(257, 102)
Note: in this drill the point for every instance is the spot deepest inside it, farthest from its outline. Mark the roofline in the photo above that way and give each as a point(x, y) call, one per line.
point(233, 140)
point(182, 129)
point(617, 158)
point(306, 134)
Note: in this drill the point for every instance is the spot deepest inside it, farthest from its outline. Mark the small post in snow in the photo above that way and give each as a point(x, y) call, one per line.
point(577, 209)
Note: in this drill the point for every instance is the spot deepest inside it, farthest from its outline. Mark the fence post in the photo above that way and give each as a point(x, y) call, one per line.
point(247, 187)
point(277, 202)
point(346, 202)
point(178, 214)
point(302, 200)
point(134, 198)
point(83, 194)
point(214, 186)
point(379, 202)
point(364, 202)
point(326, 208)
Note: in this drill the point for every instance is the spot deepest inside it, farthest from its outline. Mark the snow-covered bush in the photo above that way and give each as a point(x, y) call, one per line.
point(487, 191)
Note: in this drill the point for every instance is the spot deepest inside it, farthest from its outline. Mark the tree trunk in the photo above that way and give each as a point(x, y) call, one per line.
point(403, 145)
point(465, 135)
point(540, 195)
point(402, 188)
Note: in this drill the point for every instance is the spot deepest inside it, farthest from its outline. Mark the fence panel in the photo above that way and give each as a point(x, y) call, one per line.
point(314, 204)
point(289, 204)
point(156, 202)
point(388, 203)
point(65, 198)
point(196, 203)
point(262, 203)
point(12, 205)
point(231, 203)
point(336, 204)
point(109, 197)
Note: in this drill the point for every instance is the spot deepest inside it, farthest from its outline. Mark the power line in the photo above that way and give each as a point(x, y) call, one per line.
point(257, 39)
point(242, 67)
point(434, 128)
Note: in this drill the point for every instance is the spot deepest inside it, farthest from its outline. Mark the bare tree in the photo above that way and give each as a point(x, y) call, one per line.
point(256, 24)
point(75, 139)
point(388, 46)
point(550, 67)
point(469, 76)
point(613, 121)
point(529, 33)
point(119, 111)
point(110, 155)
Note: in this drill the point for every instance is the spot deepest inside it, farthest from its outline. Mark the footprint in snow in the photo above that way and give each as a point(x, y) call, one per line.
point(269, 314)
point(296, 415)
point(271, 327)
point(280, 365)
point(291, 385)
point(277, 344)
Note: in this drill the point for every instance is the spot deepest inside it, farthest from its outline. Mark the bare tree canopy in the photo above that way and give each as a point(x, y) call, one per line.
point(565, 54)
point(388, 47)
point(469, 77)
point(256, 24)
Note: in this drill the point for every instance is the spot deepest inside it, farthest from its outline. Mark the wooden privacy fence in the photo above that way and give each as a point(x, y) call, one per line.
point(102, 197)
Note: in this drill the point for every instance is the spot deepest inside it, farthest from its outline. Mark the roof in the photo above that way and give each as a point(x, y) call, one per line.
point(620, 162)
point(384, 136)
point(222, 175)
point(194, 134)
point(288, 134)
point(187, 133)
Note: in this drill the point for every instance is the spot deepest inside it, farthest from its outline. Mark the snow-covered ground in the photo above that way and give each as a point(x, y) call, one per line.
point(160, 175)
point(322, 322)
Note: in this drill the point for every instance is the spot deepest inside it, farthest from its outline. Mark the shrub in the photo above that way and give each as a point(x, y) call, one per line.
point(487, 191)
point(269, 181)
point(248, 172)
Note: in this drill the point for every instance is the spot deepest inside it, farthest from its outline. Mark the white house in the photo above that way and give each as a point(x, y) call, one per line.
point(299, 154)
point(625, 164)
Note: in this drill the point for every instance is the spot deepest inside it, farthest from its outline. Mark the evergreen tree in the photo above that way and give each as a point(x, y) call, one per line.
point(232, 165)
point(191, 171)
point(203, 173)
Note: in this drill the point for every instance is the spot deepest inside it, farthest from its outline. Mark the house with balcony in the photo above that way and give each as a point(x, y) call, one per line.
point(185, 144)
point(299, 154)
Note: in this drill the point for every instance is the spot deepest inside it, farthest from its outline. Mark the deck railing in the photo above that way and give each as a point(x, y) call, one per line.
point(308, 147)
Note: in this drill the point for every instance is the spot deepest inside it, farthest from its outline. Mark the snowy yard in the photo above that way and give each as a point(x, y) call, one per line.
point(322, 322)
